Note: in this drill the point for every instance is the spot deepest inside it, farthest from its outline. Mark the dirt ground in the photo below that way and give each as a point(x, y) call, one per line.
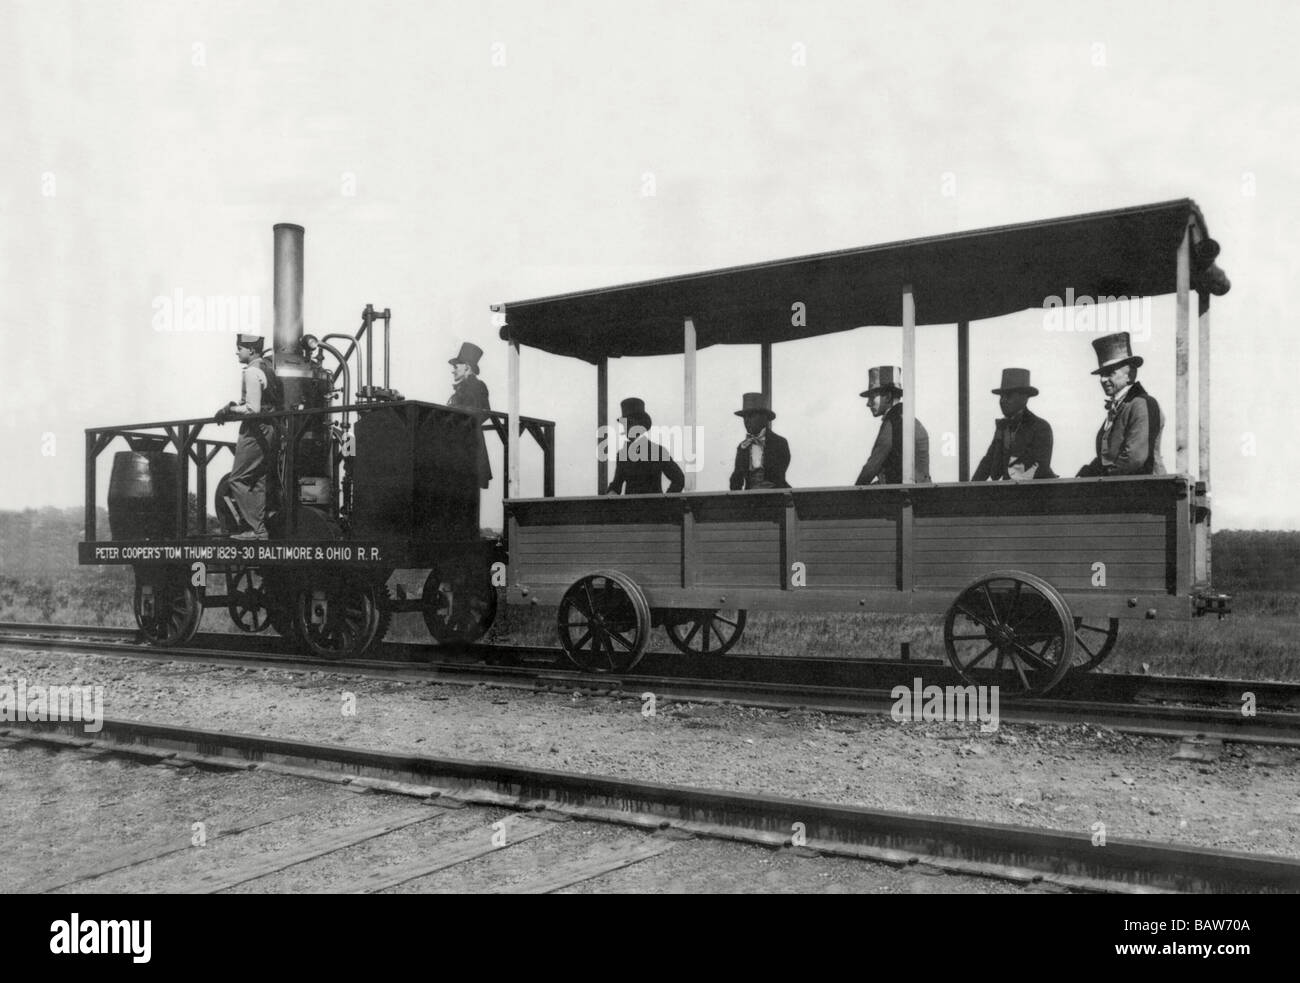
point(1068, 778)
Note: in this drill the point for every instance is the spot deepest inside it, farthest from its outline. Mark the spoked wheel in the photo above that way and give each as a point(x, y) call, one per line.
point(707, 632)
point(248, 605)
point(604, 622)
point(337, 617)
point(168, 607)
point(1093, 643)
point(1010, 620)
point(459, 602)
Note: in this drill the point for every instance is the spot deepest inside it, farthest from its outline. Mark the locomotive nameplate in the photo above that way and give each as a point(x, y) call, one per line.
point(262, 553)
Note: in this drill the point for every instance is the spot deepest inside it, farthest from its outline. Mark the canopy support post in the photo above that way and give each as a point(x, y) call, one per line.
point(512, 424)
point(909, 386)
point(1203, 422)
point(605, 441)
point(765, 351)
point(1182, 333)
point(963, 401)
point(688, 395)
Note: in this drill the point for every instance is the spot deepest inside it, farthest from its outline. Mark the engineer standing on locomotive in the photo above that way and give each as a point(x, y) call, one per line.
point(470, 393)
point(1129, 439)
point(257, 450)
point(884, 398)
point(1022, 442)
point(763, 456)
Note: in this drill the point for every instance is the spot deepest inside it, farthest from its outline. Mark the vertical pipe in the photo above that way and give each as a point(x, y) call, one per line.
point(688, 393)
point(388, 325)
point(512, 424)
point(963, 401)
point(602, 426)
point(1182, 331)
point(91, 457)
point(909, 386)
point(369, 316)
point(287, 303)
point(766, 372)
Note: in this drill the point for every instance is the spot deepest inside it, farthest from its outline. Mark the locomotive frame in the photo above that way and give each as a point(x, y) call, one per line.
point(1014, 566)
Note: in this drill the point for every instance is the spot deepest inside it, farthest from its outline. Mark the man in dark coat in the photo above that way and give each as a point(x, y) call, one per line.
point(1022, 442)
point(1129, 439)
point(763, 456)
point(471, 394)
point(642, 464)
point(884, 397)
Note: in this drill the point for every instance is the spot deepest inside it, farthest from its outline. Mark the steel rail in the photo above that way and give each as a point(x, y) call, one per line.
point(1025, 854)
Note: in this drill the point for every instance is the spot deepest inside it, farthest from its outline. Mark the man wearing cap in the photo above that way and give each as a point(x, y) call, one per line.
point(1129, 439)
point(642, 464)
point(763, 456)
point(884, 397)
point(257, 449)
point(1022, 442)
point(471, 394)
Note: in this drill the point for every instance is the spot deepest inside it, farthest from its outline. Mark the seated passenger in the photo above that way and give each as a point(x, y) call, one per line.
point(1022, 442)
point(642, 464)
point(763, 456)
point(1129, 439)
point(884, 398)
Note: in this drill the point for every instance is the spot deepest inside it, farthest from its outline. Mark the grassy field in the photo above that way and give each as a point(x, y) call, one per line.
point(40, 582)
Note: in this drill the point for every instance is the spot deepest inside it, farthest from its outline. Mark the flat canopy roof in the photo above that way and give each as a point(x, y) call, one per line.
point(965, 276)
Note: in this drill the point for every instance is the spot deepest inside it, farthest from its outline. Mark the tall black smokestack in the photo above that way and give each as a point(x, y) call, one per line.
point(288, 290)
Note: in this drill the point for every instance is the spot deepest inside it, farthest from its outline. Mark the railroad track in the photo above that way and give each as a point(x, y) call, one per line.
point(1026, 855)
point(1154, 706)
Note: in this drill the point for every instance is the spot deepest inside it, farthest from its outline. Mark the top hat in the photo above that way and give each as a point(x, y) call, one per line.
point(756, 403)
point(632, 409)
point(1114, 350)
point(250, 341)
point(883, 378)
point(469, 354)
point(1015, 381)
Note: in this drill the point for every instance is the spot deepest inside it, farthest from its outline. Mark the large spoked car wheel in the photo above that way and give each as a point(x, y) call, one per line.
point(604, 622)
point(338, 617)
point(1010, 621)
point(707, 632)
point(1093, 643)
point(167, 607)
point(459, 603)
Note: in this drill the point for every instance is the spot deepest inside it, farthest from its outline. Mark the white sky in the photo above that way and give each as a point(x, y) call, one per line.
point(151, 147)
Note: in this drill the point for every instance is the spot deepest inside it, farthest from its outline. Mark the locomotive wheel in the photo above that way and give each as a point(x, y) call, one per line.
point(707, 632)
point(1093, 643)
point(248, 604)
point(459, 603)
point(604, 622)
point(337, 617)
point(1010, 620)
point(167, 607)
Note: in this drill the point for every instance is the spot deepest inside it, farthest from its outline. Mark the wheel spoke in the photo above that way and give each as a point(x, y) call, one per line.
point(972, 663)
point(974, 617)
point(993, 608)
point(695, 630)
point(1030, 657)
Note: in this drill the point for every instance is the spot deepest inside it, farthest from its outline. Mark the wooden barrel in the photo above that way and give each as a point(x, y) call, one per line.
point(142, 495)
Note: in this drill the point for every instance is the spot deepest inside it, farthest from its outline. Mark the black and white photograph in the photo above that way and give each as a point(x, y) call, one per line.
point(661, 448)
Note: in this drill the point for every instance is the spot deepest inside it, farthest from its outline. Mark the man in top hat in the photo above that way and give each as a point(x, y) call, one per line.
point(1022, 442)
point(257, 448)
point(884, 397)
point(763, 456)
point(642, 464)
point(1129, 439)
point(471, 394)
